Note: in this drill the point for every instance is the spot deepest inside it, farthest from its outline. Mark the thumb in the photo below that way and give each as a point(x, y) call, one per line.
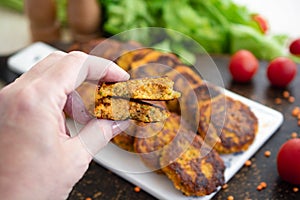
point(98, 132)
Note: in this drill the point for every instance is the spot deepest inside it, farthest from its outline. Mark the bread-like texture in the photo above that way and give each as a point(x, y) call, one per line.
point(160, 88)
point(125, 140)
point(122, 109)
point(194, 168)
point(227, 124)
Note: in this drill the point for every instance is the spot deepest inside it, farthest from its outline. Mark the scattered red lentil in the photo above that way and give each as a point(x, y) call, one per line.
point(267, 153)
point(286, 94)
point(248, 163)
point(137, 189)
point(230, 197)
point(296, 111)
point(259, 187)
point(294, 135)
point(278, 101)
point(225, 186)
point(298, 122)
point(291, 99)
point(88, 198)
point(295, 189)
point(263, 185)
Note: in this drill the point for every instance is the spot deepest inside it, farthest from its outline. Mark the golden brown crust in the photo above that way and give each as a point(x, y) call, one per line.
point(150, 140)
point(197, 171)
point(153, 56)
point(126, 59)
point(146, 62)
point(206, 92)
point(190, 174)
point(122, 109)
point(185, 80)
point(233, 126)
point(149, 70)
point(159, 88)
point(185, 73)
point(124, 141)
point(194, 98)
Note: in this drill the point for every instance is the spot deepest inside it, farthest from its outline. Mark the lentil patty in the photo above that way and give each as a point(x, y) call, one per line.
point(122, 109)
point(198, 171)
point(227, 124)
point(160, 88)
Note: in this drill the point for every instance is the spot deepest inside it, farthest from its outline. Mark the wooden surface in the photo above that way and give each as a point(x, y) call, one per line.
point(100, 183)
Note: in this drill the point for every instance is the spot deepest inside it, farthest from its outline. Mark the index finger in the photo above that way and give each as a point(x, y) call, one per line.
point(76, 67)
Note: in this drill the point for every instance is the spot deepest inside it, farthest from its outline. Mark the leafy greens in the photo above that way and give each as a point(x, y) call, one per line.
point(220, 26)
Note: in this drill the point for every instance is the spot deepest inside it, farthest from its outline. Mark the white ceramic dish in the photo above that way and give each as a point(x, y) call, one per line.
point(130, 167)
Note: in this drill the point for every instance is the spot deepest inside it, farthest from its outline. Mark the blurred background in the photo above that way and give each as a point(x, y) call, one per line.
point(282, 18)
point(266, 28)
point(14, 31)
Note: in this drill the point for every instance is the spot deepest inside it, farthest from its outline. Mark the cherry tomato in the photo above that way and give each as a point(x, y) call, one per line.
point(263, 25)
point(281, 71)
point(295, 47)
point(288, 161)
point(243, 65)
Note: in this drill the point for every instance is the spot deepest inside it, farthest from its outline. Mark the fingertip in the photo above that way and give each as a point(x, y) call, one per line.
point(115, 73)
point(101, 69)
point(75, 108)
point(122, 73)
point(125, 77)
point(96, 134)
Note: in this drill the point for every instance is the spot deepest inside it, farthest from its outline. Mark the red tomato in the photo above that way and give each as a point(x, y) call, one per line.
point(243, 65)
point(295, 47)
point(281, 71)
point(263, 25)
point(288, 161)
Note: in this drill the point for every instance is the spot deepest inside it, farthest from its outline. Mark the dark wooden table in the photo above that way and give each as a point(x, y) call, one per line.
point(100, 183)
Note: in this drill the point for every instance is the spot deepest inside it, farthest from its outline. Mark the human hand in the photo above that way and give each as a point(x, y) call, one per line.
point(38, 159)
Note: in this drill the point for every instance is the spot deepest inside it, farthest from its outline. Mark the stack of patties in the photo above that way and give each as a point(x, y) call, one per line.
point(189, 132)
point(124, 100)
point(224, 124)
point(172, 148)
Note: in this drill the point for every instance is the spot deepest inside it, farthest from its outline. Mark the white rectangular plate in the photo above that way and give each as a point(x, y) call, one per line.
point(125, 164)
point(23, 60)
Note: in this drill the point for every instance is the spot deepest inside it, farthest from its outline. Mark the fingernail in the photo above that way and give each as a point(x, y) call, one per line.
point(126, 76)
point(75, 108)
point(123, 74)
